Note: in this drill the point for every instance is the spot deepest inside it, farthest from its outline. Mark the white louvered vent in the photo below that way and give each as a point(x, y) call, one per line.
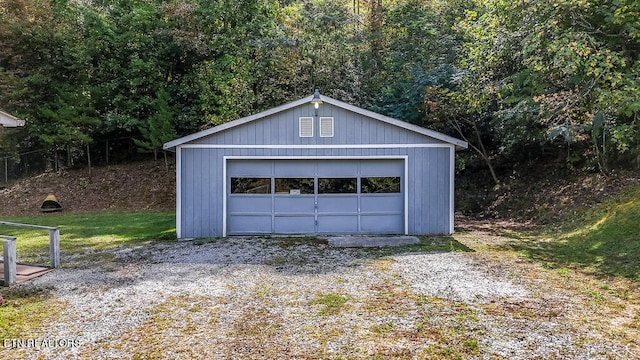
point(306, 126)
point(326, 127)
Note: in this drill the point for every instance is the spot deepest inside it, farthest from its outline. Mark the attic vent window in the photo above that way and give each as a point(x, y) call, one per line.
point(326, 127)
point(306, 126)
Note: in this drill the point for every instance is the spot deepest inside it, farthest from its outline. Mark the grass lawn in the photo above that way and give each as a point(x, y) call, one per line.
point(87, 232)
point(79, 234)
point(605, 241)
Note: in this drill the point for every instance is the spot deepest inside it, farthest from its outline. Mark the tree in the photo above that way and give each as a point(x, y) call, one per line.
point(66, 125)
point(159, 128)
point(413, 57)
point(577, 66)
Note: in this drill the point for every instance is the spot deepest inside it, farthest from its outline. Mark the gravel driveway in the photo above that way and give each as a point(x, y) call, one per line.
point(253, 298)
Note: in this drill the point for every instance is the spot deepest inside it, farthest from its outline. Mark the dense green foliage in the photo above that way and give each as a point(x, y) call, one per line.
point(521, 81)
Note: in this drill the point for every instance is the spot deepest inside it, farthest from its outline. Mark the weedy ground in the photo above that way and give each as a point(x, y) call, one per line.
point(298, 298)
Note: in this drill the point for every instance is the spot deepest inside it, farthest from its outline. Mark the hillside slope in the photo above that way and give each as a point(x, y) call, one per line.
point(144, 185)
point(604, 239)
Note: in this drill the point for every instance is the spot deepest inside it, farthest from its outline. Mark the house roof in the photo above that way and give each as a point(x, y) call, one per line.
point(325, 99)
point(8, 120)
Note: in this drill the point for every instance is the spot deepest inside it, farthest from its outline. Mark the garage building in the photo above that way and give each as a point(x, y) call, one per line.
point(314, 166)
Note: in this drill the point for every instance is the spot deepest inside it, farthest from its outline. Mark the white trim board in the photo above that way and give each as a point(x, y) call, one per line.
point(179, 192)
point(319, 157)
point(224, 195)
point(315, 146)
point(406, 195)
point(8, 120)
point(452, 172)
point(404, 158)
point(234, 123)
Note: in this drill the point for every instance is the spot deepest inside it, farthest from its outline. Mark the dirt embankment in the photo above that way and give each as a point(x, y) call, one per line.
point(539, 196)
point(143, 185)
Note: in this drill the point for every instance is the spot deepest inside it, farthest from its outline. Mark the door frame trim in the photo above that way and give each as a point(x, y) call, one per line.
point(404, 158)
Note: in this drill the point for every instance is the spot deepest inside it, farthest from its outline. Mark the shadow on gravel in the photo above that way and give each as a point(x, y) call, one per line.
point(426, 244)
point(180, 262)
point(313, 254)
point(292, 255)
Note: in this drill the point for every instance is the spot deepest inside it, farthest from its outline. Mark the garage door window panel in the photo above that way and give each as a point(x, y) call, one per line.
point(337, 186)
point(241, 185)
point(294, 186)
point(380, 185)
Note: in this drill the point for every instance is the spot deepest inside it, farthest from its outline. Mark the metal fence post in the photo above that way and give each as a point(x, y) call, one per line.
point(6, 171)
point(54, 247)
point(9, 258)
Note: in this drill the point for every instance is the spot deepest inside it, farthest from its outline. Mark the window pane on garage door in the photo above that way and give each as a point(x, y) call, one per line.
point(250, 186)
point(337, 186)
point(295, 186)
point(380, 185)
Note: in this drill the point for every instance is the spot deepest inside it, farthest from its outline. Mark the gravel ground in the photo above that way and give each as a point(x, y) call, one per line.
point(272, 298)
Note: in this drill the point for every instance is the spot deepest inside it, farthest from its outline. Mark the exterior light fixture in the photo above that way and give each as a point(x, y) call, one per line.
point(316, 101)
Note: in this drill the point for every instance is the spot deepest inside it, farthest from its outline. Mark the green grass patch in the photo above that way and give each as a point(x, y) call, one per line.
point(331, 303)
point(24, 312)
point(88, 232)
point(606, 239)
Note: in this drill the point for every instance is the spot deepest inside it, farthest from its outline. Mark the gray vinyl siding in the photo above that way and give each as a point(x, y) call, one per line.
point(349, 128)
point(201, 192)
point(201, 180)
point(429, 203)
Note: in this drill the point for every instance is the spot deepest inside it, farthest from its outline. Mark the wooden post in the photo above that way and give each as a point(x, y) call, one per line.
point(9, 258)
point(54, 247)
point(6, 170)
point(54, 240)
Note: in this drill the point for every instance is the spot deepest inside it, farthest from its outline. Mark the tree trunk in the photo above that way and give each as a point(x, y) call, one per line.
point(480, 149)
point(89, 160)
point(485, 156)
point(166, 163)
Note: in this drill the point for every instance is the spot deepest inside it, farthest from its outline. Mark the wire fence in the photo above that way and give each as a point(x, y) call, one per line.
point(14, 167)
point(21, 165)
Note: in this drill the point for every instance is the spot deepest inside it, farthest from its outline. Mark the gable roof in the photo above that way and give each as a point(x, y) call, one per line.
point(8, 120)
point(459, 144)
